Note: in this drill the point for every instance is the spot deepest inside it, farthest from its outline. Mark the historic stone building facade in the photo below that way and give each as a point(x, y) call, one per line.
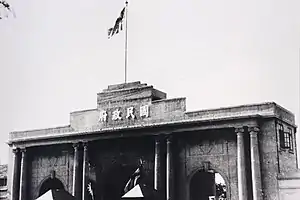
point(3, 182)
point(253, 147)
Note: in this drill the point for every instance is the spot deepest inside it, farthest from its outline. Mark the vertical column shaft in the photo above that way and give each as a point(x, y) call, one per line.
point(169, 169)
point(157, 164)
point(76, 171)
point(15, 176)
point(242, 190)
point(255, 164)
point(23, 174)
point(84, 171)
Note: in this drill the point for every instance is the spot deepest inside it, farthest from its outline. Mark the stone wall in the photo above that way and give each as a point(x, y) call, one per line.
point(43, 160)
point(287, 157)
point(269, 162)
point(289, 186)
point(216, 147)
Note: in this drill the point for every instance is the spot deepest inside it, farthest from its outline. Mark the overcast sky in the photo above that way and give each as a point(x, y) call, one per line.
point(55, 55)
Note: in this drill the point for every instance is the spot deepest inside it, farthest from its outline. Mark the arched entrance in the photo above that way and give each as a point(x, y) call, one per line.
point(207, 185)
point(50, 183)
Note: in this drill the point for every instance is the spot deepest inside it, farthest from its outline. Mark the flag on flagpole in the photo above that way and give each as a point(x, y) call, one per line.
point(6, 7)
point(5, 4)
point(118, 24)
point(134, 179)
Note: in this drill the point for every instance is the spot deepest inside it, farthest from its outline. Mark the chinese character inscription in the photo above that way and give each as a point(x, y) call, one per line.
point(131, 114)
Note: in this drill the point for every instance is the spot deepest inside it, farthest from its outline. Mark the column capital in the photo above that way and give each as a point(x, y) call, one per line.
point(158, 139)
point(15, 150)
point(85, 145)
point(239, 130)
point(169, 138)
point(253, 129)
point(75, 146)
point(23, 152)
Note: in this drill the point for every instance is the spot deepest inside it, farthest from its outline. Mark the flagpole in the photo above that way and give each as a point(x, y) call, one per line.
point(126, 29)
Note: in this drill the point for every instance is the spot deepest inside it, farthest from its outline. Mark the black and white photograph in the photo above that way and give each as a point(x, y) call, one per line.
point(149, 100)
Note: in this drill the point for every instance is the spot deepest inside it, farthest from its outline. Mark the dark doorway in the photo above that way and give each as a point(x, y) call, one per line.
point(207, 186)
point(50, 184)
point(115, 181)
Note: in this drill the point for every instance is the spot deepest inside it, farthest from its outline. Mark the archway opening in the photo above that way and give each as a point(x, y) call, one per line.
point(50, 184)
point(207, 185)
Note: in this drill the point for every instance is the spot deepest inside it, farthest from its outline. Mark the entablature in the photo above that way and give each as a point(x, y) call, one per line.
point(161, 128)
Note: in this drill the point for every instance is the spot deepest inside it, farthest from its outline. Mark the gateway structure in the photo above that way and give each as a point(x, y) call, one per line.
point(253, 147)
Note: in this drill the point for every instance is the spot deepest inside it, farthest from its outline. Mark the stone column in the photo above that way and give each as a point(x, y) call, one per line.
point(255, 164)
point(157, 164)
point(241, 168)
point(84, 171)
point(76, 171)
point(23, 175)
point(15, 176)
point(169, 182)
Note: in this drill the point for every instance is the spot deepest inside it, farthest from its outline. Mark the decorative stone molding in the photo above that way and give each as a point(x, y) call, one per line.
point(239, 130)
point(76, 146)
point(253, 129)
point(15, 150)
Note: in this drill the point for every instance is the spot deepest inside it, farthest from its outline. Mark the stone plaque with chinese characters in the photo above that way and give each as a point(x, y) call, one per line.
point(124, 114)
